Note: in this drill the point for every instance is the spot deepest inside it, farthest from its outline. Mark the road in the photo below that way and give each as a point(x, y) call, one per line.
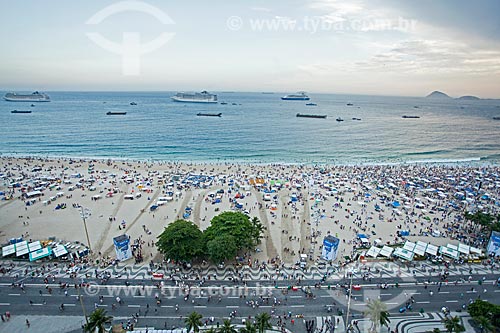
point(139, 298)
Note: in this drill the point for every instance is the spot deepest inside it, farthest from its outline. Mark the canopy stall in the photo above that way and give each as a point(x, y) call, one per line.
point(432, 250)
point(60, 250)
point(373, 252)
point(409, 246)
point(420, 248)
point(404, 254)
point(386, 251)
point(22, 248)
point(39, 254)
point(446, 251)
point(8, 250)
point(34, 246)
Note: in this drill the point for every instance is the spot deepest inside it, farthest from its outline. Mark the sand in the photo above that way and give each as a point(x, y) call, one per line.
point(339, 200)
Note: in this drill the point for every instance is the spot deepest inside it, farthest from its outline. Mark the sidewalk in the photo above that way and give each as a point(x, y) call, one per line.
point(42, 324)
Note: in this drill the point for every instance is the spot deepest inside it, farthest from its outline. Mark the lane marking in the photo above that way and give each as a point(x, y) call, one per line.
point(297, 306)
point(14, 294)
point(134, 306)
point(451, 301)
point(232, 306)
point(423, 302)
point(69, 304)
point(5, 304)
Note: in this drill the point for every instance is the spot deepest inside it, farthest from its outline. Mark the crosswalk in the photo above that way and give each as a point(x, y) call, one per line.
point(330, 324)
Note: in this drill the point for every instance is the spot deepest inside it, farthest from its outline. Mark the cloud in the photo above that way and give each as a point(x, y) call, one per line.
point(261, 9)
point(434, 57)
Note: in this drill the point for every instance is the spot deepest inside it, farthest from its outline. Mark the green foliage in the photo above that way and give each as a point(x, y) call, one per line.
point(97, 320)
point(193, 322)
point(453, 324)
point(221, 248)
point(249, 328)
point(227, 327)
point(378, 314)
point(235, 224)
point(181, 241)
point(486, 221)
point(483, 311)
point(263, 322)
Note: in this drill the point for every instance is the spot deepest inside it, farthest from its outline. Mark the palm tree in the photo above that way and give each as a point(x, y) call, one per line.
point(453, 324)
point(249, 328)
point(97, 320)
point(227, 327)
point(484, 324)
point(263, 322)
point(377, 312)
point(210, 330)
point(193, 321)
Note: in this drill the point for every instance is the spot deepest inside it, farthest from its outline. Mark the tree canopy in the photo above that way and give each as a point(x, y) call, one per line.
point(480, 310)
point(181, 241)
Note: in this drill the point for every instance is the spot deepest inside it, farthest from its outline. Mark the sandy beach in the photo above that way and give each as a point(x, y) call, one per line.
point(297, 204)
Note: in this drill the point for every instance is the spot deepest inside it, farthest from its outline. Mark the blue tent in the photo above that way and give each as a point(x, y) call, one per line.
point(362, 236)
point(396, 204)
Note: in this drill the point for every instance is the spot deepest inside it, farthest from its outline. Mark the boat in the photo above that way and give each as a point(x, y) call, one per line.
point(320, 116)
point(300, 96)
point(33, 97)
point(311, 104)
point(201, 114)
point(349, 104)
point(20, 111)
point(496, 118)
point(223, 103)
point(32, 105)
point(411, 117)
point(339, 119)
point(354, 118)
point(201, 97)
point(111, 113)
point(234, 103)
point(133, 103)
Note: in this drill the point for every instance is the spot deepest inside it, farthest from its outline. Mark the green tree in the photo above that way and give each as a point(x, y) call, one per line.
point(221, 248)
point(484, 324)
point(181, 241)
point(193, 322)
point(97, 320)
point(245, 233)
point(263, 322)
point(249, 328)
point(436, 330)
point(453, 324)
point(378, 314)
point(227, 327)
point(258, 231)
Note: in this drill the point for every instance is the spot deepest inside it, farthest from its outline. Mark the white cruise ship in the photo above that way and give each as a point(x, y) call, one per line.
point(300, 96)
point(33, 97)
point(203, 97)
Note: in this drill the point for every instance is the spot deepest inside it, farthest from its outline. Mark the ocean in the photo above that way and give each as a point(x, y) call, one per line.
point(258, 128)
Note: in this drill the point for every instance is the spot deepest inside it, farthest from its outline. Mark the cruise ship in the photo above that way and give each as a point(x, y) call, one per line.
point(203, 97)
point(33, 97)
point(300, 96)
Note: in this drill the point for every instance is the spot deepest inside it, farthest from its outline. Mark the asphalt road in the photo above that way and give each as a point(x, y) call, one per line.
point(140, 298)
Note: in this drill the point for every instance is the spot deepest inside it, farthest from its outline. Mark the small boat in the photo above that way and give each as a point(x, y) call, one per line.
point(32, 105)
point(133, 103)
point(311, 104)
point(411, 117)
point(339, 119)
point(20, 111)
point(111, 113)
point(349, 104)
point(234, 103)
point(496, 118)
point(320, 116)
point(356, 118)
point(200, 114)
point(223, 103)
point(416, 107)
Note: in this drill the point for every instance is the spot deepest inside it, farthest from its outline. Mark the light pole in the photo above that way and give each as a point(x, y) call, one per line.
point(348, 325)
point(85, 214)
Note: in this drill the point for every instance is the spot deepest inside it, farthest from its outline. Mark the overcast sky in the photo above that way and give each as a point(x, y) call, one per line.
point(382, 47)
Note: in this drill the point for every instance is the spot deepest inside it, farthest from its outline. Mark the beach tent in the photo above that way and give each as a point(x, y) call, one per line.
point(396, 204)
point(8, 250)
point(409, 246)
point(60, 250)
point(420, 248)
point(386, 251)
point(404, 254)
point(373, 252)
point(39, 254)
point(431, 249)
point(446, 251)
point(22, 248)
point(34, 246)
point(462, 248)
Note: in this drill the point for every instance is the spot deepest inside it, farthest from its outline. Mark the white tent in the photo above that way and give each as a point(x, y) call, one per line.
point(432, 249)
point(409, 246)
point(462, 248)
point(404, 254)
point(386, 251)
point(8, 250)
point(60, 250)
point(22, 248)
point(34, 246)
point(446, 251)
point(373, 252)
point(420, 248)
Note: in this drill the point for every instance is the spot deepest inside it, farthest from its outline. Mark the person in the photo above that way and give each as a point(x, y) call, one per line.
point(28, 323)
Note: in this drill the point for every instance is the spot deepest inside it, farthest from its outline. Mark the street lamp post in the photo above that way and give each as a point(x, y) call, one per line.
point(85, 214)
point(348, 326)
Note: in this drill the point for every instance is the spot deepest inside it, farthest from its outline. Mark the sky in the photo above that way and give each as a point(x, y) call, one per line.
point(375, 47)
